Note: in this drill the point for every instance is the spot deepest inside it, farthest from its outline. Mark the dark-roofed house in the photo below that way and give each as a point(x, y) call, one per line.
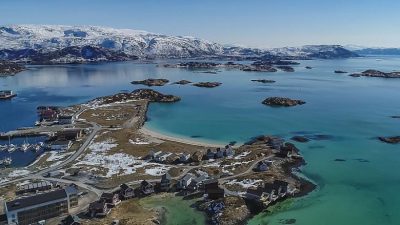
point(65, 119)
point(257, 194)
point(126, 192)
point(184, 157)
point(99, 208)
point(165, 184)
point(110, 198)
point(185, 181)
point(146, 188)
point(39, 207)
point(212, 189)
point(71, 220)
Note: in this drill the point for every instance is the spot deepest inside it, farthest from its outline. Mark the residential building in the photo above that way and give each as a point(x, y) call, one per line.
point(228, 151)
point(61, 145)
point(165, 184)
point(219, 154)
point(126, 192)
point(71, 220)
point(184, 157)
point(99, 209)
point(162, 157)
point(69, 134)
point(39, 207)
point(185, 181)
point(146, 188)
point(112, 199)
point(66, 119)
point(210, 154)
point(197, 156)
point(34, 187)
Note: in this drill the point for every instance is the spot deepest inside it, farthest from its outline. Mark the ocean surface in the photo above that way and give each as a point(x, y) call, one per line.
point(343, 115)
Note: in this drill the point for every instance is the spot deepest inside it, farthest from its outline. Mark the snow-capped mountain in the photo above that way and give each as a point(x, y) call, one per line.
point(60, 44)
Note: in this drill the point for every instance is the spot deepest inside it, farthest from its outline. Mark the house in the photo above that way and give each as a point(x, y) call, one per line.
point(197, 183)
point(184, 157)
point(48, 115)
point(162, 157)
point(165, 184)
point(66, 119)
point(69, 134)
point(71, 220)
point(262, 166)
point(210, 154)
point(257, 194)
point(215, 193)
point(284, 153)
point(61, 145)
point(126, 192)
point(111, 199)
point(99, 209)
point(228, 151)
point(152, 154)
point(219, 154)
point(146, 188)
point(32, 209)
point(185, 181)
point(210, 183)
point(197, 156)
point(34, 187)
point(275, 142)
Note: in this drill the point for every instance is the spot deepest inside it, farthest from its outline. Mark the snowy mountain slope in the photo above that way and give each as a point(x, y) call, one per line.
point(60, 44)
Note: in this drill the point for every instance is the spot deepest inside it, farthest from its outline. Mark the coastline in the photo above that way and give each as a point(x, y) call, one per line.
point(152, 133)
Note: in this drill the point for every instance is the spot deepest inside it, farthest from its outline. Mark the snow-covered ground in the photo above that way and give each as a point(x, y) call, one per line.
point(246, 183)
point(117, 163)
point(19, 173)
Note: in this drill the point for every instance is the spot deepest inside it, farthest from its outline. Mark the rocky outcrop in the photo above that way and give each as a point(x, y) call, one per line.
point(308, 67)
point(183, 82)
point(207, 84)
point(390, 140)
point(280, 101)
point(301, 139)
point(286, 68)
point(194, 65)
point(9, 68)
point(151, 82)
point(376, 73)
point(264, 81)
point(340, 71)
point(395, 117)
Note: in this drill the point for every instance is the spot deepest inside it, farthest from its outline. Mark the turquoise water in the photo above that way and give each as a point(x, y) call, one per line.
point(351, 111)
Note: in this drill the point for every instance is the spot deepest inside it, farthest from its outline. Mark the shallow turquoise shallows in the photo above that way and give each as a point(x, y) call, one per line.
point(349, 112)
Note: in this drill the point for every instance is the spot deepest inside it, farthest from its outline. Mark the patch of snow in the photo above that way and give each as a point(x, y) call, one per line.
point(242, 155)
point(246, 183)
point(138, 142)
point(157, 171)
point(19, 173)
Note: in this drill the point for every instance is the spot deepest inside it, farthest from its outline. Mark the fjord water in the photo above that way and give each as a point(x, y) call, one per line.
point(351, 112)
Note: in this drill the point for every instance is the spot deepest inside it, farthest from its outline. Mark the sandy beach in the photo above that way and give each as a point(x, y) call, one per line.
point(157, 135)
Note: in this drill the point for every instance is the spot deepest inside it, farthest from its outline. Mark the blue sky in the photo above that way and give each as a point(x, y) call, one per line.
point(255, 23)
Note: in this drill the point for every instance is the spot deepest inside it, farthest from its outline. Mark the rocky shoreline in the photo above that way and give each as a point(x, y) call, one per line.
point(376, 73)
point(139, 94)
point(390, 140)
point(151, 82)
point(207, 84)
point(10, 68)
point(281, 101)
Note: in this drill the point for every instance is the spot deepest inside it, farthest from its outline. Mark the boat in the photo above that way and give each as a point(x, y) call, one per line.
point(3, 147)
point(37, 123)
point(25, 146)
point(37, 148)
point(11, 148)
point(6, 161)
point(7, 94)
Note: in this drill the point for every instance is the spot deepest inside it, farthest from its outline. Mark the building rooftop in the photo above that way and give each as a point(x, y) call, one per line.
point(36, 199)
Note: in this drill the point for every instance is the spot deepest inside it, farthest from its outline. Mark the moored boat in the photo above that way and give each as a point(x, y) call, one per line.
point(7, 94)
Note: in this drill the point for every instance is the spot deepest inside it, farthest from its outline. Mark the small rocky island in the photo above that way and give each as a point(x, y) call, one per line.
point(183, 82)
point(151, 82)
point(264, 81)
point(340, 71)
point(390, 140)
point(301, 139)
point(207, 84)
point(308, 67)
point(286, 68)
point(280, 101)
point(376, 73)
point(10, 68)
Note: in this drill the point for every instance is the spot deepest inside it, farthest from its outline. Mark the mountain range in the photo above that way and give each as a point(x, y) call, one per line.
point(47, 44)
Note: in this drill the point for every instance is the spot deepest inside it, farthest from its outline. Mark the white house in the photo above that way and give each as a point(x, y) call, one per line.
point(61, 145)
